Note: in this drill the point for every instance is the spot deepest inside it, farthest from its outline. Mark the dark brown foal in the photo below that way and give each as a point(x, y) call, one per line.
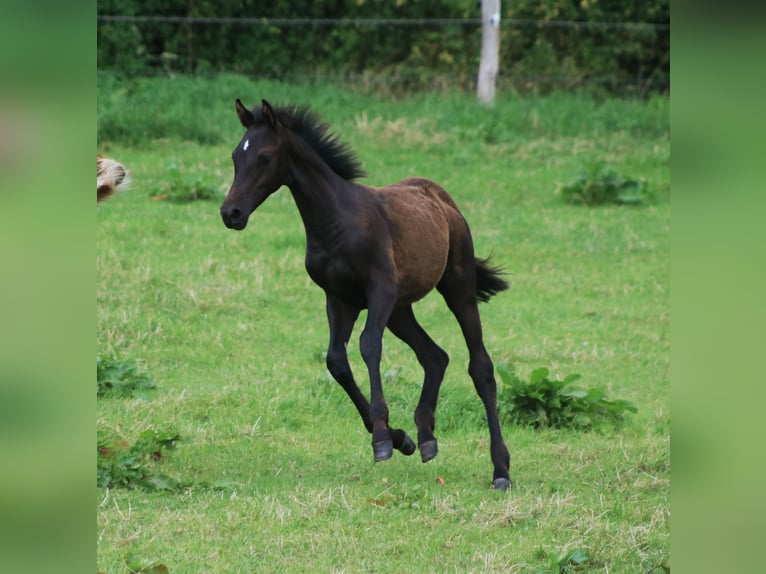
point(379, 249)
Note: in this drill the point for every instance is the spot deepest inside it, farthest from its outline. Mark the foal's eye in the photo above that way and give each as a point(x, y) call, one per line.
point(264, 159)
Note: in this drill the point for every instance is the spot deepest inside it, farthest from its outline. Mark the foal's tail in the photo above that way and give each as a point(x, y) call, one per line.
point(488, 280)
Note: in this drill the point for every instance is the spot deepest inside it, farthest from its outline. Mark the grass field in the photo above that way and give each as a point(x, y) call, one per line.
point(277, 466)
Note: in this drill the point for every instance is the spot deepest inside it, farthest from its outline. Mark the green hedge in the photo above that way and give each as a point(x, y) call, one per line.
point(614, 60)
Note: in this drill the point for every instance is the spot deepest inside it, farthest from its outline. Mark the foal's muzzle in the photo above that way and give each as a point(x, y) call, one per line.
point(233, 217)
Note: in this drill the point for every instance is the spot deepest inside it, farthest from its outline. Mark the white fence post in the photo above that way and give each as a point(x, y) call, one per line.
point(490, 49)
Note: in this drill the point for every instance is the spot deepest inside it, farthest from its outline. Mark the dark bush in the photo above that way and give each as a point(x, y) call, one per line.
point(541, 49)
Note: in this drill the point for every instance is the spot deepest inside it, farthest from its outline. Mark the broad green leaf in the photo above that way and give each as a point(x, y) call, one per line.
point(577, 556)
point(595, 395)
point(138, 565)
point(576, 393)
point(625, 405)
point(538, 375)
point(572, 378)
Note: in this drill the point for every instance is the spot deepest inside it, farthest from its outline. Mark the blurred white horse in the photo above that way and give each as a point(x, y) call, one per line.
point(110, 174)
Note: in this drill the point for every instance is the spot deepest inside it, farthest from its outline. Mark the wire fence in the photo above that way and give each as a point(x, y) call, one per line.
point(645, 79)
point(420, 22)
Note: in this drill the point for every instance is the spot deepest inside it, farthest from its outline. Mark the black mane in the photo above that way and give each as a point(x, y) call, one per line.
point(306, 123)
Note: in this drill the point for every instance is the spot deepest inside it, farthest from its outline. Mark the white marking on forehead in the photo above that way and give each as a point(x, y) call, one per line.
point(247, 145)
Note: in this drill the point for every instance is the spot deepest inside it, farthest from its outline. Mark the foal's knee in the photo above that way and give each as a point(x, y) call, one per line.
point(370, 346)
point(441, 361)
point(337, 364)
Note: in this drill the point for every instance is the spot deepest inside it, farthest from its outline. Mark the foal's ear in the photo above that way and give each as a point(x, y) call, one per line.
point(246, 117)
point(270, 115)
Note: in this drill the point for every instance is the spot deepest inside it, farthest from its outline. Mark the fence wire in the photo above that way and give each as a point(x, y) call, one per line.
point(397, 78)
point(421, 22)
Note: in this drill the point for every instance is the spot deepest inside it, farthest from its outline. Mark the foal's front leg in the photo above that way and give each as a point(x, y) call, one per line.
point(380, 304)
point(341, 319)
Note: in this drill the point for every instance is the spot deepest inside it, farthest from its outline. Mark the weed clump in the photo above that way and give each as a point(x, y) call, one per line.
point(121, 464)
point(116, 378)
point(184, 186)
point(598, 184)
point(544, 403)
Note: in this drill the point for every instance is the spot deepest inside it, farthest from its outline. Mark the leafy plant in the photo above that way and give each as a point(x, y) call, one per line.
point(544, 403)
point(116, 378)
point(121, 464)
point(598, 184)
point(183, 186)
point(139, 565)
point(565, 562)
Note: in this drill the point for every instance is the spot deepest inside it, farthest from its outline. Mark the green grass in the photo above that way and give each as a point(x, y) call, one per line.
point(233, 332)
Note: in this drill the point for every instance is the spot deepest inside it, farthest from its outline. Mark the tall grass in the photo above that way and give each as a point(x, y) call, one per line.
point(277, 466)
point(139, 110)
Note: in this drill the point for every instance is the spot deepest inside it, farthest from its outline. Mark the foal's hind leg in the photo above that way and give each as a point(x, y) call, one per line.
point(462, 302)
point(341, 319)
point(434, 360)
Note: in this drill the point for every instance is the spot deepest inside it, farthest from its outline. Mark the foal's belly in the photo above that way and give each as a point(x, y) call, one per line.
point(416, 278)
point(413, 276)
point(420, 252)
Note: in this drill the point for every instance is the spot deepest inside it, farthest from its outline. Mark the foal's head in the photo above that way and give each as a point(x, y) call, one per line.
point(275, 141)
point(259, 170)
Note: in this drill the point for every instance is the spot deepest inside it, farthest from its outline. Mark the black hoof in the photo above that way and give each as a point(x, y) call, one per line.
point(428, 450)
point(408, 447)
point(502, 484)
point(383, 450)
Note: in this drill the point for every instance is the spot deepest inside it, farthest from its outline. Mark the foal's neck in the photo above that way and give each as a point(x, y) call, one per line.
point(319, 192)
